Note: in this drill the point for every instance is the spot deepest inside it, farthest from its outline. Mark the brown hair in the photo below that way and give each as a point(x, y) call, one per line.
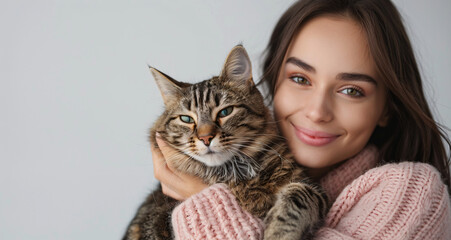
point(411, 134)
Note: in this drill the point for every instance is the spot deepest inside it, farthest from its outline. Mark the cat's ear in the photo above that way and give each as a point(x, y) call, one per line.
point(170, 89)
point(237, 69)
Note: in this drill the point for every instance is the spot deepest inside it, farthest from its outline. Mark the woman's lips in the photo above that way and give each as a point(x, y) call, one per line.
point(314, 138)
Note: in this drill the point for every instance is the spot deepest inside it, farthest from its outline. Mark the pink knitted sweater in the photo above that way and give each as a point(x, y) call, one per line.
point(394, 201)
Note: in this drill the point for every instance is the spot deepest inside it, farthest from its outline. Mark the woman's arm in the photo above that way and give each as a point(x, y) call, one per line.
point(395, 201)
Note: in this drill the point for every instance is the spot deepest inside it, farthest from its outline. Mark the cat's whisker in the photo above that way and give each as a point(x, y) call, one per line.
point(254, 136)
point(270, 149)
point(264, 145)
point(249, 168)
point(237, 152)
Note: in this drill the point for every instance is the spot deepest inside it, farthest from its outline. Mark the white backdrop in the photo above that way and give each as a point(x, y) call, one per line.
point(77, 99)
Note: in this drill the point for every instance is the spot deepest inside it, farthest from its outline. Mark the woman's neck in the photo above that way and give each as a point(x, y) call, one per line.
point(317, 173)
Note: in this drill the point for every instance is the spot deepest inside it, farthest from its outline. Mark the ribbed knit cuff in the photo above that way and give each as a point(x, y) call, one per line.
point(214, 213)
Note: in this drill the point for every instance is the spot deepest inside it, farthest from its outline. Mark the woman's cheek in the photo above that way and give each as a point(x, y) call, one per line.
point(358, 120)
point(284, 100)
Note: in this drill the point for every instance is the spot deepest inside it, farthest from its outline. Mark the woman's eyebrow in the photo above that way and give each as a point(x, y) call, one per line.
point(342, 76)
point(356, 77)
point(298, 62)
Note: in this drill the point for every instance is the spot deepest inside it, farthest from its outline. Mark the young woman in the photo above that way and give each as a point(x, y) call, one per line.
point(348, 97)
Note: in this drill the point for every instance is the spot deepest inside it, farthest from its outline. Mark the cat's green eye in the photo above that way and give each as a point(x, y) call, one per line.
point(225, 112)
point(186, 119)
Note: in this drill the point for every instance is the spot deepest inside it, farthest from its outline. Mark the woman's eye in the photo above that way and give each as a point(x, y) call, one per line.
point(300, 80)
point(186, 119)
point(352, 92)
point(225, 112)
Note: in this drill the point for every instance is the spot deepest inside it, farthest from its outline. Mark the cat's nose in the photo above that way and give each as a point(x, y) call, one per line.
point(206, 139)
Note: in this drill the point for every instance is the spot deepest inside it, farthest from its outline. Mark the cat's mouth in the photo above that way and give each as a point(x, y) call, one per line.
point(210, 152)
point(212, 158)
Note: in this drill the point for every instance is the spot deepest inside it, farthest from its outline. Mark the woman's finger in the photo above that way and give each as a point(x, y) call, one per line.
point(167, 152)
point(160, 168)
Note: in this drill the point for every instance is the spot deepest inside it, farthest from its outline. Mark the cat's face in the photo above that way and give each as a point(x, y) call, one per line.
point(212, 121)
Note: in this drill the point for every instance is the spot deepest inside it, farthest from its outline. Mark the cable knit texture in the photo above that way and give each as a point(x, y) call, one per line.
point(394, 201)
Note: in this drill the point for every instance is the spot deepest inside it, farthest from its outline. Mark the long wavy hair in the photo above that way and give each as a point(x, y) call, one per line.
point(412, 134)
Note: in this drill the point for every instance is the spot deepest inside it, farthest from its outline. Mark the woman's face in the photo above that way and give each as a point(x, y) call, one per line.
point(328, 99)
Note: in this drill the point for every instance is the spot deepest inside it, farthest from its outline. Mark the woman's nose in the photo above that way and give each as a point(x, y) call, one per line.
point(319, 107)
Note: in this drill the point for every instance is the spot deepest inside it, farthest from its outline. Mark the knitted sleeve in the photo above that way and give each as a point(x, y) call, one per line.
point(214, 213)
point(395, 201)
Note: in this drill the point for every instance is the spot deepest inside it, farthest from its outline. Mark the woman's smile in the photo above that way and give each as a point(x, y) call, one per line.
point(314, 138)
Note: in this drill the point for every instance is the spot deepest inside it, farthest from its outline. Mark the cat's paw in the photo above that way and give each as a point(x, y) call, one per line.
point(279, 227)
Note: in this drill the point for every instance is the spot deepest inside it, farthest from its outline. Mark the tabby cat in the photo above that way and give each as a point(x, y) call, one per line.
point(224, 133)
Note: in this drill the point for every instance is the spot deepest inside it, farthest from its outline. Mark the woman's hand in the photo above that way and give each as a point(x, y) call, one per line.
point(175, 184)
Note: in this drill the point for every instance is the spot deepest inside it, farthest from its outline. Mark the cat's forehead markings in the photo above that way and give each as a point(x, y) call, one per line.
point(218, 98)
point(207, 94)
point(194, 95)
point(203, 94)
point(186, 103)
point(200, 95)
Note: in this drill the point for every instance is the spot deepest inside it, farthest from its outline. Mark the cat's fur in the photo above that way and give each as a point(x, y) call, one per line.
point(238, 146)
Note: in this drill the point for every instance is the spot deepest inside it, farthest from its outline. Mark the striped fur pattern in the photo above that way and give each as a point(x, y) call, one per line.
point(224, 133)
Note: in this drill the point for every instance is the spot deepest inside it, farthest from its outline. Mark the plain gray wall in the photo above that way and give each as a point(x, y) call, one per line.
point(77, 99)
